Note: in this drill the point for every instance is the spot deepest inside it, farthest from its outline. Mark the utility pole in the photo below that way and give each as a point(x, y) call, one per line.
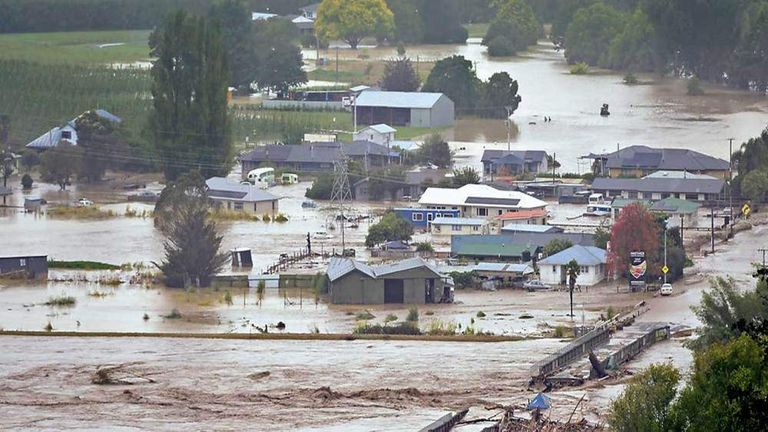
point(665, 252)
point(341, 192)
point(712, 218)
point(763, 251)
point(730, 185)
point(337, 66)
point(509, 131)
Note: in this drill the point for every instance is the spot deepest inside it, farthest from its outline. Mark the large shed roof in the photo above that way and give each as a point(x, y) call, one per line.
point(479, 195)
point(660, 185)
point(391, 99)
point(583, 255)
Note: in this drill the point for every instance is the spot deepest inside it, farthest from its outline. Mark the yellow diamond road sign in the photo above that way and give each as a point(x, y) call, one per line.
point(746, 210)
point(665, 269)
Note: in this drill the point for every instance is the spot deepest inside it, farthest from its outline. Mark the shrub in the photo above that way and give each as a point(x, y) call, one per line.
point(403, 328)
point(390, 318)
point(26, 182)
point(145, 317)
point(610, 313)
point(441, 328)
point(62, 300)
point(266, 218)
point(48, 327)
point(281, 218)
point(175, 314)
point(630, 79)
point(579, 69)
point(481, 314)
point(424, 247)
point(413, 314)
point(365, 315)
point(228, 298)
point(694, 87)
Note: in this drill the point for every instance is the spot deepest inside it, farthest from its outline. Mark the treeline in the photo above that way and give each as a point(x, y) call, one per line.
point(428, 21)
point(715, 40)
point(19, 16)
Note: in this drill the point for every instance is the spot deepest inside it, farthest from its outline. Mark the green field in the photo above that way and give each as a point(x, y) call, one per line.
point(477, 29)
point(76, 47)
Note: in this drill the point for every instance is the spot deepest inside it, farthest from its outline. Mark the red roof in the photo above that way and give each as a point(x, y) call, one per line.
point(523, 214)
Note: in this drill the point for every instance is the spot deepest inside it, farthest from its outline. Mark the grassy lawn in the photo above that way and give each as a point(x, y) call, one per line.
point(76, 47)
point(477, 29)
point(356, 72)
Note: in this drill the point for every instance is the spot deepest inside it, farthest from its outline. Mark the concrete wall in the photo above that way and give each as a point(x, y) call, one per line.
point(443, 113)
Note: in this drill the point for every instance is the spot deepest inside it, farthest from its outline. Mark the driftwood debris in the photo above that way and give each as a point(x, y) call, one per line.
point(597, 367)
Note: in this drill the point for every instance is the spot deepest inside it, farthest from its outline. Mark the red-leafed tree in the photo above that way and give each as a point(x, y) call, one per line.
point(635, 229)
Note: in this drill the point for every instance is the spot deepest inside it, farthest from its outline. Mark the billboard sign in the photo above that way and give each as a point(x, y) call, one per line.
point(638, 267)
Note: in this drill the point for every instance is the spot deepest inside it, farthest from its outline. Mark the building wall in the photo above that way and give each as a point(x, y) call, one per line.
point(442, 113)
point(484, 212)
point(374, 137)
point(555, 275)
point(420, 218)
point(356, 288)
point(528, 221)
point(637, 173)
point(35, 267)
point(257, 208)
point(447, 230)
point(421, 117)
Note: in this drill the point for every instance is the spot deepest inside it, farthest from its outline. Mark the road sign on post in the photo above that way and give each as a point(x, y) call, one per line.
point(665, 269)
point(746, 210)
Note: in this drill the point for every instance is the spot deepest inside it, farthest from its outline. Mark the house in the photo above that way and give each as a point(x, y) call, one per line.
point(523, 217)
point(682, 211)
point(262, 16)
point(512, 163)
point(638, 161)
point(66, 132)
point(527, 228)
point(238, 197)
point(492, 248)
point(316, 157)
point(541, 239)
point(310, 11)
point(414, 109)
point(420, 218)
point(474, 200)
point(30, 267)
point(449, 226)
point(500, 274)
point(416, 182)
point(381, 134)
point(591, 260)
point(411, 281)
point(654, 188)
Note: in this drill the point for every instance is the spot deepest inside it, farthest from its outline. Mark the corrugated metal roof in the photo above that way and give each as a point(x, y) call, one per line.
point(530, 228)
point(391, 99)
point(382, 128)
point(676, 159)
point(659, 185)
point(339, 267)
point(404, 265)
point(584, 255)
point(675, 205)
point(489, 245)
point(219, 187)
point(529, 155)
point(479, 195)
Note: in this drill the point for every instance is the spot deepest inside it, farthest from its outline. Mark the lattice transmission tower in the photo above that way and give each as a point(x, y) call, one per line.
point(341, 194)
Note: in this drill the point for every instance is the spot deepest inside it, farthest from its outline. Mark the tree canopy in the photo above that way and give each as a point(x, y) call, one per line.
point(645, 404)
point(352, 20)
point(391, 227)
point(465, 176)
point(635, 229)
point(455, 77)
point(189, 120)
point(399, 75)
point(513, 29)
point(60, 164)
point(591, 32)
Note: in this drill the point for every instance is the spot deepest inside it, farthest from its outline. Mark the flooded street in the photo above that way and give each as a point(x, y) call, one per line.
point(657, 113)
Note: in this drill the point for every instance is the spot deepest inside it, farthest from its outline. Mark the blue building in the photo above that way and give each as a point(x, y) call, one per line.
point(420, 217)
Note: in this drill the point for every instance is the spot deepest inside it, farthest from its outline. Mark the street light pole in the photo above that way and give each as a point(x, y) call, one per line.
point(665, 252)
point(730, 182)
point(509, 132)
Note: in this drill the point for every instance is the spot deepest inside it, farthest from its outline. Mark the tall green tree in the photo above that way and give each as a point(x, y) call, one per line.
point(591, 32)
point(101, 147)
point(749, 69)
point(500, 98)
point(636, 47)
point(193, 243)
point(391, 227)
point(455, 77)
point(435, 151)
point(234, 19)
point(513, 29)
point(645, 404)
point(352, 20)
point(442, 21)
point(408, 22)
point(556, 245)
point(754, 186)
point(189, 121)
point(572, 270)
point(399, 75)
point(278, 58)
point(465, 176)
point(60, 164)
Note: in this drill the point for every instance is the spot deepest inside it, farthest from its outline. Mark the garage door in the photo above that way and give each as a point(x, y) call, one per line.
point(393, 291)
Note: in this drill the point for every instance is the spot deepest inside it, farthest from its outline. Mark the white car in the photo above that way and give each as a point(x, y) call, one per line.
point(84, 202)
point(666, 289)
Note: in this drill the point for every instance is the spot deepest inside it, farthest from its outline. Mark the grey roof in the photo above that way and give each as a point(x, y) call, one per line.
point(659, 185)
point(675, 159)
point(52, 138)
point(530, 228)
point(221, 188)
point(382, 128)
point(108, 116)
point(391, 99)
point(527, 155)
point(339, 267)
point(584, 255)
point(492, 201)
point(542, 239)
point(396, 245)
point(404, 265)
point(318, 152)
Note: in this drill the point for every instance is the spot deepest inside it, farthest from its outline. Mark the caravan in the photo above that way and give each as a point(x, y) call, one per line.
point(262, 177)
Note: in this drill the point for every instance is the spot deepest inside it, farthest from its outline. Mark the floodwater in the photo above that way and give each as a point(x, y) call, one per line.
point(657, 113)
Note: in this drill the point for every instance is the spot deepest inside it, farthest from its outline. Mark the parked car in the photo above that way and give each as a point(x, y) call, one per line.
point(84, 202)
point(666, 289)
point(144, 196)
point(536, 285)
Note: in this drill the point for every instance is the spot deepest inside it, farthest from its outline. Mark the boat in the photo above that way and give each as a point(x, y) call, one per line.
point(308, 204)
point(321, 235)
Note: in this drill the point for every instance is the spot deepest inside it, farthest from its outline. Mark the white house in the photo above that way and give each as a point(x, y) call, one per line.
point(67, 132)
point(479, 201)
point(238, 197)
point(379, 133)
point(591, 261)
point(448, 226)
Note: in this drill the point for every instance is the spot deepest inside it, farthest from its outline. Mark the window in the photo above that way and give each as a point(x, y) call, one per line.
point(430, 216)
point(482, 212)
point(475, 228)
point(455, 227)
point(554, 269)
point(501, 212)
point(238, 206)
point(417, 217)
point(22, 262)
point(585, 269)
point(66, 135)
